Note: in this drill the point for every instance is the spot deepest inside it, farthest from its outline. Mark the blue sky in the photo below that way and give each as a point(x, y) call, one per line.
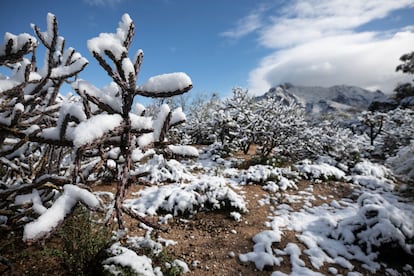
point(221, 44)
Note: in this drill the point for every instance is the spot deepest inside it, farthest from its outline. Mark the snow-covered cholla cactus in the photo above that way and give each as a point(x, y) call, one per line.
point(82, 136)
point(116, 125)
point(30, 102)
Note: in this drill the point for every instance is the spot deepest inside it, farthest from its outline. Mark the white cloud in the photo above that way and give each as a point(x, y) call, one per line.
point(304, 21)
point(248, 24)
point(244, 26)
point(316, 43)
point(354, 59)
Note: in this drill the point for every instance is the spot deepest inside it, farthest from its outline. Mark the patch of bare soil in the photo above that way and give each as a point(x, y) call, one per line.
point(211, 242)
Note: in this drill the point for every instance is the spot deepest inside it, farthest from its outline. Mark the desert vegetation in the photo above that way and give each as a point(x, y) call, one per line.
point(96, 182)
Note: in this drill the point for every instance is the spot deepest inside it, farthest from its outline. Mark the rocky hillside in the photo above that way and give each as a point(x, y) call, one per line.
point(322, 100)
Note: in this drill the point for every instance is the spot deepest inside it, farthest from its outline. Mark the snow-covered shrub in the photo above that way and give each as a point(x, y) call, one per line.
point(241, 108)
point(379, 222)
point(273, 179)
point(199, 126)
point(368, 168)
point(329, 139)
point(402, 164)
point(398, 131)
point(158, 170)
point(321, 171)
point(119, 128)
point(373, 176)
point(373, 122)
point(208, 193)
point(279, 124)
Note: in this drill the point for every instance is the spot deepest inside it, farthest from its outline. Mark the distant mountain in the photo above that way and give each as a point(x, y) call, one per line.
point(322, 100)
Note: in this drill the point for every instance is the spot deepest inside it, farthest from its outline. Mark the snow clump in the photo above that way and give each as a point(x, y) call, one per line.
point(319, 171)
point(122, 256)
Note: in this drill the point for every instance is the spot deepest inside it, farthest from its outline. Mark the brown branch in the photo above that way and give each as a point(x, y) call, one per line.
point(134, 215)
point(101, 105)
point(117, 63)
point(109, 70)
point(138, 62)
point(10, 57)
point(56, 180)
point(165, 128)
point(130, 35)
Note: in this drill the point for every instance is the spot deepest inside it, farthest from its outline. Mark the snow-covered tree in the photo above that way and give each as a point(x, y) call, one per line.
point(405, 91)
point(199, 126)
point(374, 122)
point(279, 124)
point(240, 121)
point(242, 107)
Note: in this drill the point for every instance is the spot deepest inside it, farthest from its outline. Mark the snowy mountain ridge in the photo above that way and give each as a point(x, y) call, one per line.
point(322, 100)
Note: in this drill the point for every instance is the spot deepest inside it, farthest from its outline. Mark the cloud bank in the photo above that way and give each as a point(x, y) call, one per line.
point(317, 42)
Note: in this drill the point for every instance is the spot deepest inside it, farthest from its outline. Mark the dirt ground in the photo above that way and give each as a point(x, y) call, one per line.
point(209, 242)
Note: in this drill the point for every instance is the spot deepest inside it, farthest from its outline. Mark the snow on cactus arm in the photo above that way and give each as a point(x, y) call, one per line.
point(15, 47)
point(165, 85)
point(94, 128)
point(71, 109)
point(159, 123)
point(19, 77)
point(105, 41)
point(110, 41)
point(140, 123)
point(17, 110)
point(51, 29)
point(51, 218)
point(106, 98)
point(177, 117)
point(145, 140)
point(75, 67)
point(8, 84)
point(139, 109)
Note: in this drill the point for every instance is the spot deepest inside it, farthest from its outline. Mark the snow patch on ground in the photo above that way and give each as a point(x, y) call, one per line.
point(122, 256)
point(340, 232)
